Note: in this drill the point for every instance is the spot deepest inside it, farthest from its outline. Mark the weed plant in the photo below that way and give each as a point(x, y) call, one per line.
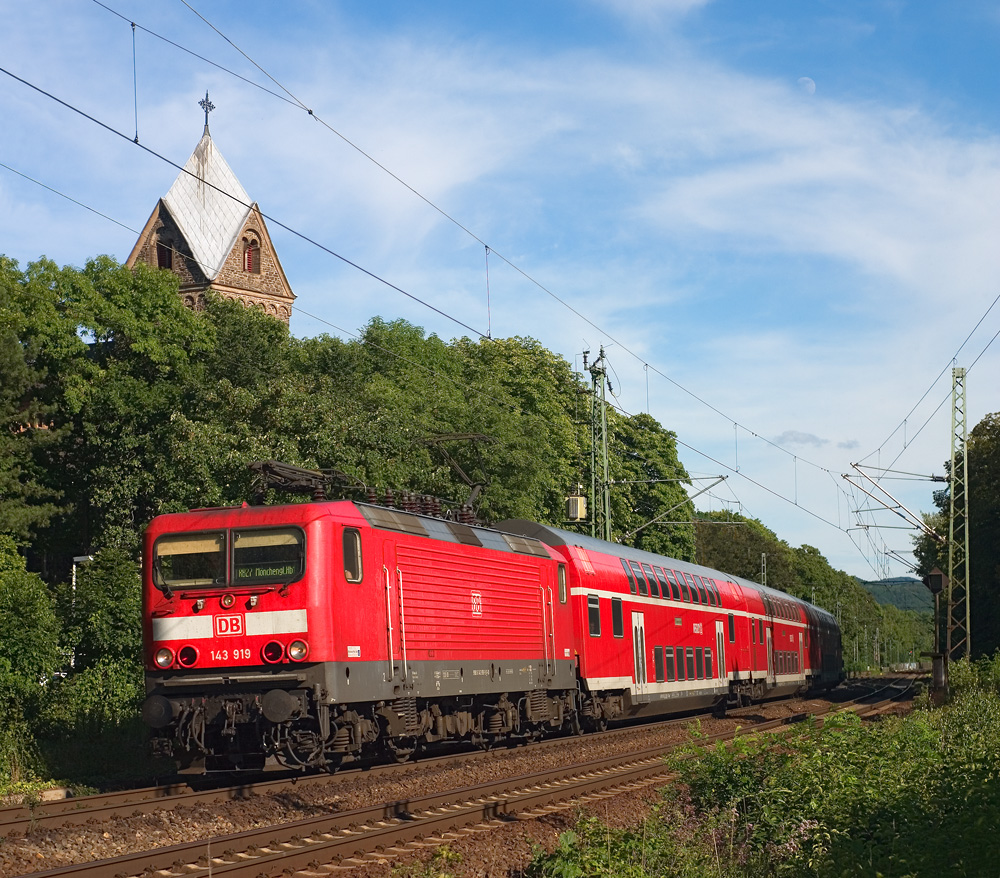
point(911, 797)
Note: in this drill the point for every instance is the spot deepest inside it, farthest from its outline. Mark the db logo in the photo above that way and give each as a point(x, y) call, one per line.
point(226, 626)
point(477, 603)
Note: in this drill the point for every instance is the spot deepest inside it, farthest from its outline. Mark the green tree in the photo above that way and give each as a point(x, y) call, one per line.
point(983, 486)
point(101, 616)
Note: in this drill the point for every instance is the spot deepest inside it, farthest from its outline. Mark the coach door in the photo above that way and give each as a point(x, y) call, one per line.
point(639, 653)
point(772, 681)
point(720, 649)
point(395, 603)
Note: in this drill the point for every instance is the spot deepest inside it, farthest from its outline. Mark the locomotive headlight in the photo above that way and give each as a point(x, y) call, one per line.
point(298, 650)
point(227, 601)
point(163, 657)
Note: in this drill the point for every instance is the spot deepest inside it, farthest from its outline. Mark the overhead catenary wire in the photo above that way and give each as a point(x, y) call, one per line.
point(624, 347)
point(301, 235)
point(295, 100)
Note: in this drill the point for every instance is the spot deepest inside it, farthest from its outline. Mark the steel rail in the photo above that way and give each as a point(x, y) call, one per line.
point(309, 844)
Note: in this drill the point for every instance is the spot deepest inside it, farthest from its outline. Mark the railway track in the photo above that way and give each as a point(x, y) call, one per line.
point(75, 811)
point(324, 844)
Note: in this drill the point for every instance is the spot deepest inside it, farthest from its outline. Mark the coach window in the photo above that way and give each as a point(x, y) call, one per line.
point(654, 589)
point(675, 589)
point(639, 578)
point(594, 614)
point(699, 657)
point(685, 591)
point(708, 665)
point(352, 555)
point(690, 663)
point(760, 629)
point(695, 597)
point(701, 588)
point(617, 619)
point(732, 629)
point(753, 631)
point(680, 662)
point(562, 583)
point(658, 663)
point(274, 554)
point(628, 573)
point(660, 578)
point(671, 673)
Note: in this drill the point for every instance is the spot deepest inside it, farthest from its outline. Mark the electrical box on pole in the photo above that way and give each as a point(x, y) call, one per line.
point(959, 642)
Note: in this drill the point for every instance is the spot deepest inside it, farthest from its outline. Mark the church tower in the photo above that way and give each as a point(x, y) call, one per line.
point(207, 231)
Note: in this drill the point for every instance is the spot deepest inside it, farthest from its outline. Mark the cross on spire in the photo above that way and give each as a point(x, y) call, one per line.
point(207, 106)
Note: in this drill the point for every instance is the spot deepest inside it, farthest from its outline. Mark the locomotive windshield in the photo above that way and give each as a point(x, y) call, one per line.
point(260, 556)
point(190, 560)
point(272, 555)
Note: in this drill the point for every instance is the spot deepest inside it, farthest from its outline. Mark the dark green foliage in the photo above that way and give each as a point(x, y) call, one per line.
point(914, 796)
point(983, 485)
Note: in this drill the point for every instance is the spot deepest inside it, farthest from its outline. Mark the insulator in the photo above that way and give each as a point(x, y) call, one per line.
point(390, 498)
point(371, 496)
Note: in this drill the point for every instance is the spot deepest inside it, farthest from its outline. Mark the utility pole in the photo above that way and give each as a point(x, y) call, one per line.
point(600, 480)
point(959, 641)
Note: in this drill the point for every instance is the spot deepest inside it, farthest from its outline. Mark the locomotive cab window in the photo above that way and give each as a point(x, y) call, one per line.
point(353, 571)
point(594, 614)
point(266, 555)
point(189, 560)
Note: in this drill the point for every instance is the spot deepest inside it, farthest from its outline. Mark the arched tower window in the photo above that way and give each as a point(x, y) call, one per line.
point(251, 256)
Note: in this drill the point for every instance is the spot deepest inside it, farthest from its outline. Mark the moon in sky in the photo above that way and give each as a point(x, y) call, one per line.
point(807, 85)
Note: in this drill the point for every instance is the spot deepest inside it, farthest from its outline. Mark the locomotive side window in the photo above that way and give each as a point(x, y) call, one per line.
point(629, 574)
point(562, 583)
point(753, 631)
point(658, 663)
point(732, 629)
point(617, 619)
point(274, 554)
point(594, 614)
point(671, 673)
point(653, 588)
point(760, 629)
point(639, 578)
point(189, 560)
point(353, 571)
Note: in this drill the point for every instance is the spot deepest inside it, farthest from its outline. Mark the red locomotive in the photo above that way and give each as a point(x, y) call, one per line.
point(317, 633)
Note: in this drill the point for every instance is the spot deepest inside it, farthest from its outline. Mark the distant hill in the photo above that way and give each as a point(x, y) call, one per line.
point(903, 592)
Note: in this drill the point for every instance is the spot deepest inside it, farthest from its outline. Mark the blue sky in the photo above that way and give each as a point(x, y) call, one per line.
point(781, 219)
